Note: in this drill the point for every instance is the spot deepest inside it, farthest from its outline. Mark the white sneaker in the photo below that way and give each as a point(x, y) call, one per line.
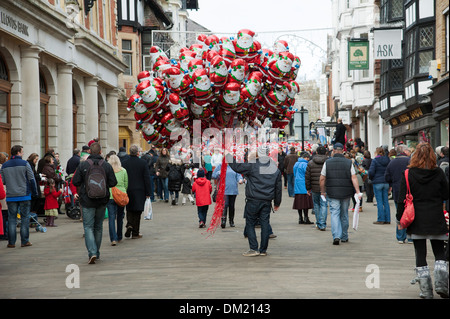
point(251, 253)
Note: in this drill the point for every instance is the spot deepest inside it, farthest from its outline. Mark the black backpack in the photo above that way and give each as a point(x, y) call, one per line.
point(95, 180)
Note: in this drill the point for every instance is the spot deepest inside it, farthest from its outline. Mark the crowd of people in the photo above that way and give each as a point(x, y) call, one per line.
point(319, 180)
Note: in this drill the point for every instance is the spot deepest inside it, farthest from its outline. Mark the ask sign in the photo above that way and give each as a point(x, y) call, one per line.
point(387, 44)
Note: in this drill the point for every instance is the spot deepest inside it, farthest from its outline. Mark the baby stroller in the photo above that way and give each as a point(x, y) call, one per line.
point(34, 222)
point(73, 209)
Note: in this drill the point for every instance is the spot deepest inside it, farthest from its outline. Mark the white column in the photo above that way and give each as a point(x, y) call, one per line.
point(91, 108)
point(112, 120)
point(65, 113)
point(31, 119)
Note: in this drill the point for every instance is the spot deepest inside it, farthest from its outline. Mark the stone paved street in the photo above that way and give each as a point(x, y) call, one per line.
point(176, 259)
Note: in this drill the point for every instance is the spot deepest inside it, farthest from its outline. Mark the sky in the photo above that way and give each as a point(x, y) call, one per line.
point(304, 24)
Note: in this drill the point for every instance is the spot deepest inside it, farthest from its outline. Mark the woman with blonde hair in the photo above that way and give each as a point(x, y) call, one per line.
point(116, 213)
point(429, 189)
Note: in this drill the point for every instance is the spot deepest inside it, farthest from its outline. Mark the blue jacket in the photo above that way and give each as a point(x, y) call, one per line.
point(18, 177)
point(232, 180)
point(299, 176)
point(378, 168)
point(394, 172)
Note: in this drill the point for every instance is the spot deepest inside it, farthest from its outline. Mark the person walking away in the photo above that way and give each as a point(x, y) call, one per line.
point(303, 199)
point(18, 178)
point(289, 162)
point(186, 188)
point(138, 191)
point(338, 182)
point(380, 187)
point(162, 172)
point(2, 196)
point(312, 183)
point(340, 132)
point(429, 189)
point(174, 179)
point(393, 175)
point(281, 156)
point(232, 182)
point(116, 213)
point(150, 158)
point(51, 202)
point(73, 162)
point(356, 161)
point(35, 200)
point(263, 186)
point(368, 186)
point(94, 177)
point(202, 189)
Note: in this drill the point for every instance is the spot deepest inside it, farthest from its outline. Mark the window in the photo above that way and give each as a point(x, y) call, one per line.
point(446, 42)
point(146, 39)
point(127, 55)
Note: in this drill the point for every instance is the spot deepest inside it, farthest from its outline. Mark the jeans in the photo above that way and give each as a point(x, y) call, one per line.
point(320, 209)
point(93, 229)
point(22, 208)
point(202, 211)
point(152, 187)
point(258, 211)
point(290, 184)
point(381, 195)
point(339, 217)
point(115, 214)
point(400, 233)
point(165, 187)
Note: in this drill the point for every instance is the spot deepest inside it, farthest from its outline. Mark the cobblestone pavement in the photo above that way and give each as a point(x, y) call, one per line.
point(177, 260)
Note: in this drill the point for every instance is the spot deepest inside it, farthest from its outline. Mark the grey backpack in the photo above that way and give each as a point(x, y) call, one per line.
point(95, 180)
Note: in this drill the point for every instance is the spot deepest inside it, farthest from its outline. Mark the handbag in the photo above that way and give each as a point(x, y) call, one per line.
point(121, 198)
point(408, 213)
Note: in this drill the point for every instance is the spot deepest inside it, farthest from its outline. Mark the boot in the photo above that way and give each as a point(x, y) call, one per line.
point(231, 222)
point(224, 222)
point(441, 278)
point(424, 280)
point(52, 222)
point(300, 217)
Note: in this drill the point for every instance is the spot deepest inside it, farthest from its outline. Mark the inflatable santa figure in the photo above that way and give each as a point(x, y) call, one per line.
point(155, 53)
point(185, 57)
point(178, 82)
point(230, 99)
point(202, 86)
point(244, 45)
point(252, 87)
point(278, 70)
point(227, 50)
point(238, 70)
point(149, 132)
point(144, 75)
point(178, 107)
point(218, 73)
point(152, 94)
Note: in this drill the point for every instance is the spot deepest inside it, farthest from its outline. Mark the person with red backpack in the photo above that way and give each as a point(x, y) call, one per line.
point(94, 177)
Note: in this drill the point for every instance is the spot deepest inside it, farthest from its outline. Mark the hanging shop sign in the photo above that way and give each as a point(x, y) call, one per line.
point(358, 54)
point(387, 44)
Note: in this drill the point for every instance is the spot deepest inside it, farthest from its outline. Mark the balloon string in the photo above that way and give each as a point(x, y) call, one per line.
point(220, 199)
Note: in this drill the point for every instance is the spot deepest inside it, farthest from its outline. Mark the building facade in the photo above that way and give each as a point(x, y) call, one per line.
point(59, 70)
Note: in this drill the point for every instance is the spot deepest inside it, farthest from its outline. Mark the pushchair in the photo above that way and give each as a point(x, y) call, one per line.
point(73, 209)
point(34, 222)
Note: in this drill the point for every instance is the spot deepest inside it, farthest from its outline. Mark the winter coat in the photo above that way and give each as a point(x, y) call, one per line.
point(263, 179)
point(79, 178)
point(289, 162)
point(231, 182)
point(340, 133)
point(161, 166)
point(429, 189)
point(175, 176)
point(2, 191)
point(51, 198)
point(50, 172)
point(281, 158)
point(378, 168)
point(394, 172)
point(18, 178)
point(299, 176)
point(139, 187)
point(202, 189)
point(312, 175)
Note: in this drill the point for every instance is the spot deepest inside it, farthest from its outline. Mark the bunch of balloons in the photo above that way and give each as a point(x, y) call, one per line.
point(220, 81)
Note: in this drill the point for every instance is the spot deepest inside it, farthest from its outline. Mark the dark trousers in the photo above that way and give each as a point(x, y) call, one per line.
point(134, 221)
point(229, 206)
point(202, 211)
point(368, 186)
point(256, 210)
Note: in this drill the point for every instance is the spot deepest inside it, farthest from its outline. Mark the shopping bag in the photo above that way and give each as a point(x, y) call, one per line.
point(148, 210)
point(408, 212)
point(356, 212)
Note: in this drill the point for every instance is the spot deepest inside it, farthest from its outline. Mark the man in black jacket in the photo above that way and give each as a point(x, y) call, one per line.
point(340, 132)
point(93, 208)
point(263, 185)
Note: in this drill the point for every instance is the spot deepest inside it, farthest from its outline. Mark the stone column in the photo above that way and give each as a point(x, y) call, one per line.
point(65, 113)
point(91, 108)
point(113, 119)
point(31, 113)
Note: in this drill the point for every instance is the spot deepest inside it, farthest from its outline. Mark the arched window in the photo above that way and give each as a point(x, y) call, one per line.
point(5, 108)
point(44, 113)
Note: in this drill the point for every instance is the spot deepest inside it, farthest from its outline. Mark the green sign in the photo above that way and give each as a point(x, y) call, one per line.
point(358, 55)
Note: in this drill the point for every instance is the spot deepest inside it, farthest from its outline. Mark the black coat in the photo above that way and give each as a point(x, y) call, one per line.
point(429, 189)
point(340, 133)
point(138, 183)
point(79, 181)
point(175, 177)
